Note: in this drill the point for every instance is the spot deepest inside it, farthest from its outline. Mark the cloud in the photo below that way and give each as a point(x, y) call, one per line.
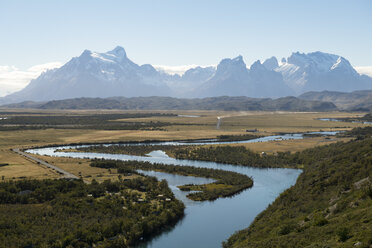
point(13, 79)
point(178, 69)
point(367, 70)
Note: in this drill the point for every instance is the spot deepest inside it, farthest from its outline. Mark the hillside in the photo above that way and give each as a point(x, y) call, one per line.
point(354, 101)
point(330, 205)
point(168, 103)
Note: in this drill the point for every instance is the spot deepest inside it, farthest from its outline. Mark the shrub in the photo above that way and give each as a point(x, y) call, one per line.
point(321, 221)
point(284, 230)
point(343, 234)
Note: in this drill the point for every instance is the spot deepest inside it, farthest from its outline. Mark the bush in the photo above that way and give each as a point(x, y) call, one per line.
point(321, 221)
point(343, 234)
point(284, 230)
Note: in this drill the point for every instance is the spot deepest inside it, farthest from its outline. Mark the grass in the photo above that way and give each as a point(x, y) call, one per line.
point(21, 167)
point(233, 123)
point(81, 167)
point(290, 145)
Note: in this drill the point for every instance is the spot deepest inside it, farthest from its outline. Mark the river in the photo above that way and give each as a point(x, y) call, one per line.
point(206, 224)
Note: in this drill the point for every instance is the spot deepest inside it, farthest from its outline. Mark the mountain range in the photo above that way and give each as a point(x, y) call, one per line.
point(112, 74)
point(227, 103)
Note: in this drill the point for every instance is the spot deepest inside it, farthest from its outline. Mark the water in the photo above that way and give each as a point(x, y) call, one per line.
point(189, 116)
point(340, 120)
point(206, 224)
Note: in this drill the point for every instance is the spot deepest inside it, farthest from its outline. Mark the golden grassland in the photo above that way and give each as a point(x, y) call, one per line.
point(233, 123)
point(20, 167)
point(290, 145)
point(81, 168)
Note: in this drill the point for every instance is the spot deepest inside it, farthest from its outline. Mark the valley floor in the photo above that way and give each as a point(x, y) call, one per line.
point(330, 191)
point(180, 128)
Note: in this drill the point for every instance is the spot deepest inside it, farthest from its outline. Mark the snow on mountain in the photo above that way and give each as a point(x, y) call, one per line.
point(271, 63)
point(232, 78)
point(95, 75)
point(266, 82)
point(112, 73)
point(192, 79)
point(321, 71)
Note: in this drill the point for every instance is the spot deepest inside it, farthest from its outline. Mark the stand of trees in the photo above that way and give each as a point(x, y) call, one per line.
point(93, 121)
point(330, 205)
point(227, 183)
point(238, 155)
point(62, 213)
point(137, 150)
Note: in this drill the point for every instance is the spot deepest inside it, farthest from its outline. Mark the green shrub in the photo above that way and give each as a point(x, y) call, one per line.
point(321, 221)
point(343, 234)
point(284, 230)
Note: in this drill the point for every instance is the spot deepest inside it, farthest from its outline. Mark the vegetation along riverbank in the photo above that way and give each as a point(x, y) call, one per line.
point(227, 183)
point(70, 213)
point(330, 205)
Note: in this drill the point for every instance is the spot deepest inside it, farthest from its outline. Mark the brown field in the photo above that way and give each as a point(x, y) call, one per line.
point(81, 168)
point(234, 123)
point(20, 167)
point(290, 145)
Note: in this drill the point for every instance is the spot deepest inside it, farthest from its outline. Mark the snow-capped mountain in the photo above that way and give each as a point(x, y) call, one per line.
point(321, 71)
point(95, 75)
point(112, 73)
point(184, 86)
point(233, 78)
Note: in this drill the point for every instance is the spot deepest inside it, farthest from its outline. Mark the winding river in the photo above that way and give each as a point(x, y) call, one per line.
point(206, 224)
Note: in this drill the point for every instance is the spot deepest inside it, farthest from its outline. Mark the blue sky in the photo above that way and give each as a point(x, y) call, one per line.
point(183, 32)
point(164, 32)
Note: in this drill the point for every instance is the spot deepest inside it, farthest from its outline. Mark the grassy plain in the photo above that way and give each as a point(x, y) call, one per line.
point(204, 126)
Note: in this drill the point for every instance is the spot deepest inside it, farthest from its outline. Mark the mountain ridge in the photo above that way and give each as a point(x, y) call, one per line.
point(351, 101)
point(109, 74)
point(238, 103)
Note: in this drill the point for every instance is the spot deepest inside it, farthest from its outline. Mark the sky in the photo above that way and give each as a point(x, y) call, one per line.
point(47, 33)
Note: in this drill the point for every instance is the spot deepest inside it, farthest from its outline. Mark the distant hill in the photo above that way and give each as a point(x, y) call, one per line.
point(168, 103)
point(112, 73)
point(354, 101)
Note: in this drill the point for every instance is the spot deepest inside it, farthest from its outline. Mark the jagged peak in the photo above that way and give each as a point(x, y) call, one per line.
point(235, 61)
point(271, 63)
point(86, 53)
point(320, 60)
point(256, 65)
point(117, 55)
point(118, 52)
point(148, 68)
point(239, 58)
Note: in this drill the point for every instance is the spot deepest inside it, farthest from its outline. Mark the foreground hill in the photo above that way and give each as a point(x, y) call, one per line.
point(354, 101)
point(168, 103)
point(330, 205)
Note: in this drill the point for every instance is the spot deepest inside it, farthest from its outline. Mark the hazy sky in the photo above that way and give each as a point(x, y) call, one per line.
point(41, 34)
point(183, 32)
